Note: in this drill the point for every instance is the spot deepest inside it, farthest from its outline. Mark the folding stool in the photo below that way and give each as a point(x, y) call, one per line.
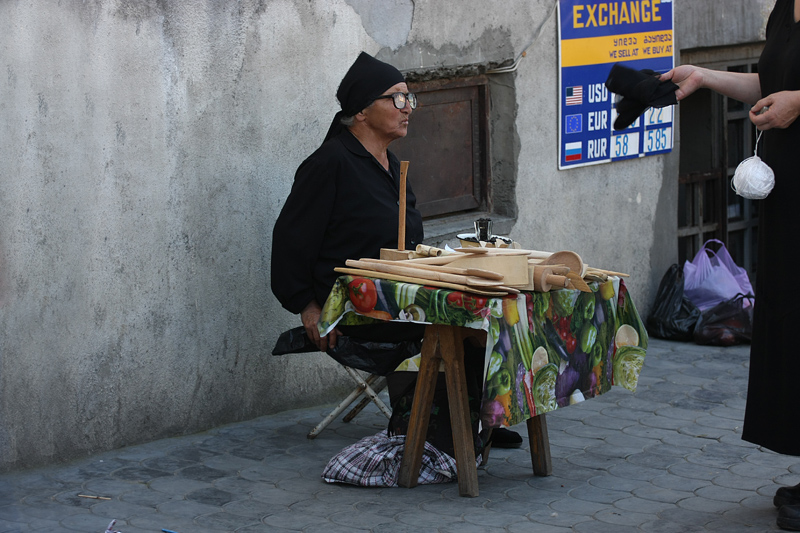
point(370, 387)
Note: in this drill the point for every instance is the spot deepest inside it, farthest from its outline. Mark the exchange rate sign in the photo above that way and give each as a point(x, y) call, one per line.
point(594, 35)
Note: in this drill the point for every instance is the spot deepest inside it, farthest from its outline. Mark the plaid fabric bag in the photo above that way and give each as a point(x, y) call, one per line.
point(374, 461)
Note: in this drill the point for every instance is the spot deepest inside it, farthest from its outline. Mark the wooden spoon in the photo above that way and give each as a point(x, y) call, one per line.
point(578, 282)
point(570, 259)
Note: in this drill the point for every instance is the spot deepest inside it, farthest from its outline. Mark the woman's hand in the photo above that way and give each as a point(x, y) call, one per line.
point(688, 78)
point(310, 317)
point(778, 110)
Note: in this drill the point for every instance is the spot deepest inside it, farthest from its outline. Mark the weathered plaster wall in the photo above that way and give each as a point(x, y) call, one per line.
point(720, 23)
point(145, 151)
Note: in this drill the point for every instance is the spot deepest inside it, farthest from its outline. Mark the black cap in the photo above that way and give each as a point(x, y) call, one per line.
point(366, 79)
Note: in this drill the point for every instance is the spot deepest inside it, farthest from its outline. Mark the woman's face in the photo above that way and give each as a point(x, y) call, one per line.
point(384, 119)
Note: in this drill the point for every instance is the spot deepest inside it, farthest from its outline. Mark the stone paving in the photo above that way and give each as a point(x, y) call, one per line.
point(668, 458)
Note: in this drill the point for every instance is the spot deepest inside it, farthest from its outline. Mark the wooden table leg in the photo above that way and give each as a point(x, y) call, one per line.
point(540, 445)
point(441, 342)
point(452, 349)
point(420, 409)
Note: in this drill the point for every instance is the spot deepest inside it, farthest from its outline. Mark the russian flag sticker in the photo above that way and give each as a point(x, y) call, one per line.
point(573, 151)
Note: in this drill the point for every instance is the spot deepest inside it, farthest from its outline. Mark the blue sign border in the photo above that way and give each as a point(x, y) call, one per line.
point(586, 107)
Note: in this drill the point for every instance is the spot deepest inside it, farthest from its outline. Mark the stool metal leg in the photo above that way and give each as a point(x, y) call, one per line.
point(344, 404)
point(364, 387)
point(380, 384)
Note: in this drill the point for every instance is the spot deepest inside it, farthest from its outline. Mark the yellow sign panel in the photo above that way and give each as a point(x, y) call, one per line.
point(614, 48)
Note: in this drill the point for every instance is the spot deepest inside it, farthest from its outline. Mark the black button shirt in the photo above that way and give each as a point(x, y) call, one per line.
point(343, 205)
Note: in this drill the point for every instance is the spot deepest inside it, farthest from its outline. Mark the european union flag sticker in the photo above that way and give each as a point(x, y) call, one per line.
point(574, 123)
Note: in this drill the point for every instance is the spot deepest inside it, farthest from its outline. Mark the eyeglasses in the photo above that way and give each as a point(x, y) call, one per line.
point(401, 99)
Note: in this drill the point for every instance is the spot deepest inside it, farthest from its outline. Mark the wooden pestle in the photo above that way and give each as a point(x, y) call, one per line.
point(544, 279)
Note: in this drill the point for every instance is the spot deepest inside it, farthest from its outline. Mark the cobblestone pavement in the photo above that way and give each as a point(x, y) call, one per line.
point(667, 458)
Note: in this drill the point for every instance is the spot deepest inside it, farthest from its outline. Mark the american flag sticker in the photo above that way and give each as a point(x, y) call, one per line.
point(573, 151)
point(575, 95)
point(574, 123)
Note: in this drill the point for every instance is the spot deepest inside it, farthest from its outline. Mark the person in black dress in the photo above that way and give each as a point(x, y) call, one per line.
point(771, 418)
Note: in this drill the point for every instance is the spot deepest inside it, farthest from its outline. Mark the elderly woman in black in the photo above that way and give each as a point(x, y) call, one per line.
point(344, 202)
point(344, 205)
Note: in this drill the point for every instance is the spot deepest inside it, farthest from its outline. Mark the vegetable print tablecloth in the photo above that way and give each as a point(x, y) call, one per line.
point(543, 350)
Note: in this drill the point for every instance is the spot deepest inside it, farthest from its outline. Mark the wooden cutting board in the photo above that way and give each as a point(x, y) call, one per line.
point(514, 268)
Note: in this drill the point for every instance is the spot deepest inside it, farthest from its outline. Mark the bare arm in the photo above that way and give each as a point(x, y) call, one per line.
point(739, 85)
point(777, 110)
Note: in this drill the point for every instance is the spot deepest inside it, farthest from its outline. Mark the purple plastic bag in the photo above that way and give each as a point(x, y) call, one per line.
point(713, 277)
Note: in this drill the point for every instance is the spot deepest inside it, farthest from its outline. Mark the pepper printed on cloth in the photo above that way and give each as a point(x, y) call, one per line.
point(544, 350)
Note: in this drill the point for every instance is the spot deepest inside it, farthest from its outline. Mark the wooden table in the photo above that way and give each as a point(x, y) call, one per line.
point(445, 343)
point(606, 348)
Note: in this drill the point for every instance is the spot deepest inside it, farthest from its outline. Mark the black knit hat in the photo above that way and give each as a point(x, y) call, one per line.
point(363, 83)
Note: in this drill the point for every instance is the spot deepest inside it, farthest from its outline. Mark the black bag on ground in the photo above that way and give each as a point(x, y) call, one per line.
point(673, 316)
point(727, 323)
point(367, 355)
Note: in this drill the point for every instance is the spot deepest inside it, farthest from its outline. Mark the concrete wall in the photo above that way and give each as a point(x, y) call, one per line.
point(145, 150)
point(720, 23)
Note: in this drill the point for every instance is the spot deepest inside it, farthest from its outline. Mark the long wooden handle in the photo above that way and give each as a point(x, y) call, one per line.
point(478, 272)
point(607, 272)
point(423, 273)
point(557, 281)
point(401, 224)
point(419, 281)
